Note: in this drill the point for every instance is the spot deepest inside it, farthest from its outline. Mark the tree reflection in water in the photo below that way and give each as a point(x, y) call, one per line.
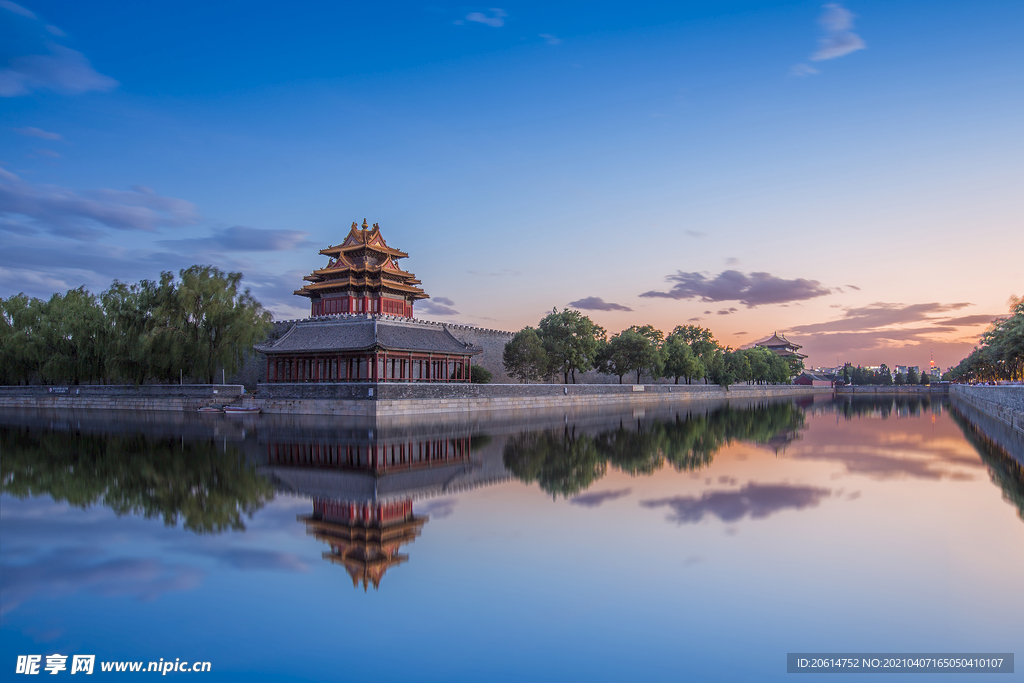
point(567, 462)
point(204, 485)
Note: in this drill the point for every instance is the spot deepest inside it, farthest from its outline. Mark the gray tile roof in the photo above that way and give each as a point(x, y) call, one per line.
point(362, 334)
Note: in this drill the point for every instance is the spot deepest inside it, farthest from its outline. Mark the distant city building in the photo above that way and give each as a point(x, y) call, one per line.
point(905, 369)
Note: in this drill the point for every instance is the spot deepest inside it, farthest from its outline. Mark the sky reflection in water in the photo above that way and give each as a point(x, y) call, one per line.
point(708, 541)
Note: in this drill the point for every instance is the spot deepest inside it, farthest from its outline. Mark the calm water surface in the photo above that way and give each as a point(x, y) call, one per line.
point(696, 544)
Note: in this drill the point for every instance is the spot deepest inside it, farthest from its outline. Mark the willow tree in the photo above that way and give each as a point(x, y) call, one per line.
point(215, 324)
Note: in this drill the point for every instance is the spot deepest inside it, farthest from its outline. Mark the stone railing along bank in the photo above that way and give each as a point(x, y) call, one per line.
point(120, 397)
point(383, 399)
point(1004, 404)
point(928, 389)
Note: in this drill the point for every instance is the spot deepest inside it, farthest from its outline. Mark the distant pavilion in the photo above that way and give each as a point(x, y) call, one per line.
point(782, 346)
point(361, 329)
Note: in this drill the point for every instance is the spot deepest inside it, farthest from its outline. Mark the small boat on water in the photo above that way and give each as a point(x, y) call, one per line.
point(212, 409)
point(240, 410)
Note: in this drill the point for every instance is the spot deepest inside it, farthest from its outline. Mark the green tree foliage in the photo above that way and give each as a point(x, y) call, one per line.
point(885, 375)
point(22, 348)
point(863, 376)
point(562, 463)
point(524, 356)
point(679, 360)
point(629, 351)
point(202, 485)
point(912, 376)
point(925, 379)
point(566, 462)
point(480, 375)
point(704, 346)
point(571, 341)
point(216, 324)
point(650, 360)
point(901, 379)
point(1001, 353)
point(132, 333)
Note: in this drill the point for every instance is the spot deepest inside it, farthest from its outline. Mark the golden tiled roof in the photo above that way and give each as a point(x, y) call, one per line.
point(363, 261)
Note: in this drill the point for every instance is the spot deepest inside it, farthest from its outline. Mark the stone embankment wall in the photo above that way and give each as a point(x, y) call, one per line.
point(928, 390)
point(378, 400)
point(493, 344)
point(114, 397)
point(1004, 404)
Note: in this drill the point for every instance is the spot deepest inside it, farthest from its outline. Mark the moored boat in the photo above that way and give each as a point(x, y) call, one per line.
point(212, 409)
point(240, 410)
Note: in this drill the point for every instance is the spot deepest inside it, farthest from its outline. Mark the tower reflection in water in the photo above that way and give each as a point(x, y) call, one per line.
point(363, 489)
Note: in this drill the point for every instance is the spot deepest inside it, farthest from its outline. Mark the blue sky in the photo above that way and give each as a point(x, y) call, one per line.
point(847, 172)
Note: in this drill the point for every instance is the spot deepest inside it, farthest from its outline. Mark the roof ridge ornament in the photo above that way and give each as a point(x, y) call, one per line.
point(365, 224)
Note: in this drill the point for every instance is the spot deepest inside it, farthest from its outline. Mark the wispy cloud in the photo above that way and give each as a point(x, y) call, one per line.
point(596, 303)
point(242, 238)
point(35, 61)
point(33, 132)
point(84, 215)
point(755, 289)
point(17, 9)
point(727, 311)
point(438, 306)
point(695, 233)
point(803, 70)
point(495, 17)
point(499, 273)
point(878, 315)
point(63, 70)
point(439, 509)
point(598, 498)
point(839, 38)
point(76, 571)
point(551, 38)
point(970, 320)
point(753, 500)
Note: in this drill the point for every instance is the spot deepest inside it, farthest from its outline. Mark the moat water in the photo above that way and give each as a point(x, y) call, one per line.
point(702, 543)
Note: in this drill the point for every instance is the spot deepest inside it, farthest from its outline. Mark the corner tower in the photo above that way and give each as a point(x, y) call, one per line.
point(362, 277)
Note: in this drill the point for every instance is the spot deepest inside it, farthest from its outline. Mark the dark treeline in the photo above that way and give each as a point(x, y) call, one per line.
point(567, 462)
point(1001, 353)
point(856, 406)
point(883, 376)
point(565, 343)
point(190, 327)
point(206, 487)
